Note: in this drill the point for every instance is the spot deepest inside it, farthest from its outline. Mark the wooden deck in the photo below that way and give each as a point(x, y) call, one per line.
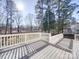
point(76, 49)
point(66, 44)
point(23, 51)
point(51, 52)
point(38, 50)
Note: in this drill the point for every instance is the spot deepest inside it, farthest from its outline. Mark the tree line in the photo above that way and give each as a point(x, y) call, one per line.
point(55, 15)
point(51, 16)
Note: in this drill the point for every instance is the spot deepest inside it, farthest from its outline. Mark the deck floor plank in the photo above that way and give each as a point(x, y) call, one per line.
point(7, 57)
point(25, 50)
point(42, 52)
point(70, 56)
point(21, 52)
point(59, 54)
point(49, 56)
point(66, 55)
point(17, 53)
point(55, 54)
point(1, 55)
point(62, 55)
point(14, 55)
point(22, 49)
point(4, 56)
point(10, 57)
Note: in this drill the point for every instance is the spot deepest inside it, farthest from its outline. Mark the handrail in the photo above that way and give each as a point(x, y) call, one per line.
point(56, 38)
point(14, 39)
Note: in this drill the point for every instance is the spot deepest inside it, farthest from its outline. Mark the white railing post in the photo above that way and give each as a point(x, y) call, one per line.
point(25, 38)
point(4, 40)
point(40, 36)
point(7, 40)
point(49, 36)
point(75, 37)
point(10, 40)
point(0, 42)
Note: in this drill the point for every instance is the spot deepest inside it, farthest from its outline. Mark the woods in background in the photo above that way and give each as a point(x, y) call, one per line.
point(51, 16)
point(55, 15)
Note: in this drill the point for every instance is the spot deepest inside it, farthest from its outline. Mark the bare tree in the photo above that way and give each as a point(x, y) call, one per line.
point(2, 17)
point(18, 22)
point(10, 9)
point(30, 18)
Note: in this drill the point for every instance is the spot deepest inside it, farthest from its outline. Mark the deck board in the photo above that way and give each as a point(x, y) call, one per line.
point(59, 54)
point(17, 54)
point(62, 55)
point(36, 52)
point(10, 57)
point(25, 50)
point(44, 51)
point(46, 54)
point(66, 55)
point(14, 55)
point(5, 54)
point(51, 52)
point(7, 57)
point(55, 54)
point(49, 56)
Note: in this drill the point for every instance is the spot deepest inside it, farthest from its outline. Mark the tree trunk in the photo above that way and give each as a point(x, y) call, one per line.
point(18, 29)
point(6, 28)
point(58, 16)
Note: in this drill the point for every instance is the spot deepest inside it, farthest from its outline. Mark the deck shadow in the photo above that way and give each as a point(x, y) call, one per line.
point(38, 50)
point(35, 51)
point(67, 48)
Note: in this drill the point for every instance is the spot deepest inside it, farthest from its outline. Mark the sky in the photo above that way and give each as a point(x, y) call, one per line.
point(28, 6)
point(75, 14)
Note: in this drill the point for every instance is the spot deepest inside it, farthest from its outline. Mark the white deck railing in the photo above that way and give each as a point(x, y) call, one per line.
point(76, 37)
point(56, 38)
point(14, 39)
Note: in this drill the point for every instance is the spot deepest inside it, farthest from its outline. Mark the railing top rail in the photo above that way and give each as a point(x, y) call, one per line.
point(18, 34)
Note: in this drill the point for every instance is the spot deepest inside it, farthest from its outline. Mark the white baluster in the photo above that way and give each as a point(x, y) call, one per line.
point(0, 42)
point(4, 40)
point(9, 37)
point(7, 40)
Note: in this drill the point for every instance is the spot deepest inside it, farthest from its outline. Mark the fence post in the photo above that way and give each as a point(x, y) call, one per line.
point(75, 37)
point(40, 36)
point(0, 42)
point(49, 37)
point(25, 37)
